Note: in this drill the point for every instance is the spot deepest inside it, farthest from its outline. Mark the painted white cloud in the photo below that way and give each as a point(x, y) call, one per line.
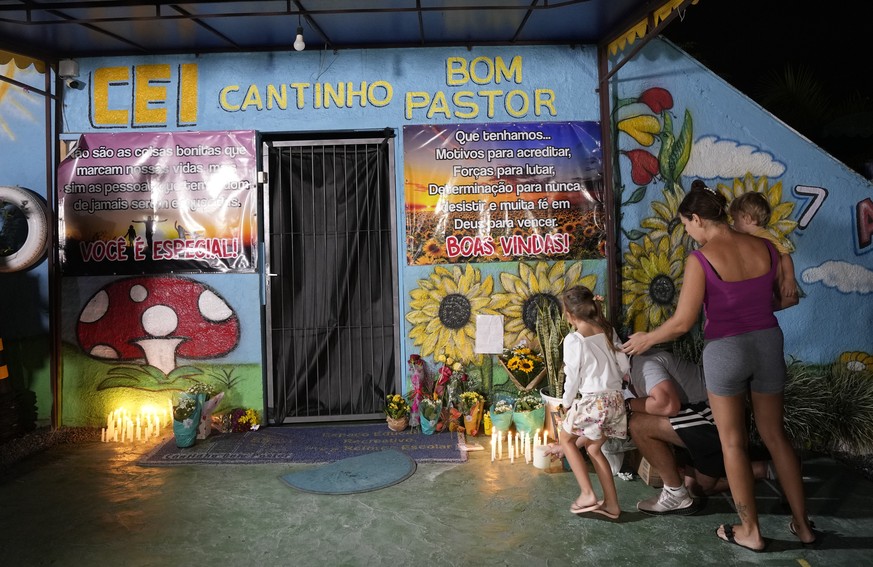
point(713, 157)
point(846, 277)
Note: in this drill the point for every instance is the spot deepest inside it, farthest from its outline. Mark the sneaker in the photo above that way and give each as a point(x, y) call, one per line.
point(668, 503)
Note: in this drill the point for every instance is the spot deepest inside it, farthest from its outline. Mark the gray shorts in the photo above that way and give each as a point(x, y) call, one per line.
point(755, 360)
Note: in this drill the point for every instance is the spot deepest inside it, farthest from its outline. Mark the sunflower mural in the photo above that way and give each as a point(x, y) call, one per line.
point(523, 293)
point(780, 225)
point(443, 310)
point(651, 279)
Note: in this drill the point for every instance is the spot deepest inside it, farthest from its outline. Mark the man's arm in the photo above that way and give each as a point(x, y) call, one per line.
point(663, 400)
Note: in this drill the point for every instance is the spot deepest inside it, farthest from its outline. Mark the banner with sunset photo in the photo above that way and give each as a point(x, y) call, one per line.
point(503, 192)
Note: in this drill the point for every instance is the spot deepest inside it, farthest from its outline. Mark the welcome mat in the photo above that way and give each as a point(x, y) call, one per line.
point(307, 444)
point(364, 473)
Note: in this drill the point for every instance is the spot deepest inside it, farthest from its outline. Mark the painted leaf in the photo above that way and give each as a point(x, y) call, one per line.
point(681, 150)
point(636, 196)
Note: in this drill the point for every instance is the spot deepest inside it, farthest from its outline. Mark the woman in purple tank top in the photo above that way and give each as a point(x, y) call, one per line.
point(735, 278)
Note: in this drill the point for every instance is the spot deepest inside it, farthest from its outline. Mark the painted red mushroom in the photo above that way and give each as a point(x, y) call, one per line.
point(157, 319)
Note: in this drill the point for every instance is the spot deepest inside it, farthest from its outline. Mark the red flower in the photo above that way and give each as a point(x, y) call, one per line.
point(644, 166)
point(657, 99)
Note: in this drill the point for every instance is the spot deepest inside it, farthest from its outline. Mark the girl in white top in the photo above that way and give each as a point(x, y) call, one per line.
point(594, 368)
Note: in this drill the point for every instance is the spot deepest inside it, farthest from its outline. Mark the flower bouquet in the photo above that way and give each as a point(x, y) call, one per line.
point(529, 414)
point(472, 405)
point(397, 412)
point(239, 420)
point(209, 399)
point(429, 410)
point(501, 415)
point(186, 419)
point(420, 386)
point(525, 367)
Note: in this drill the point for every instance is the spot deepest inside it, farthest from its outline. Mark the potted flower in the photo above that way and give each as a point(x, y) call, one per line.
point(472, 405)
point(501, 415)
point(551, 329)
point(209, 399)
point(186, 419)
point(396, 412)
point(529, 413)
point(526, 367)
point(429, 410)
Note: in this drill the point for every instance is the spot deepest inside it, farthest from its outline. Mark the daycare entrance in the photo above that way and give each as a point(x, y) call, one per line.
point(331, 319)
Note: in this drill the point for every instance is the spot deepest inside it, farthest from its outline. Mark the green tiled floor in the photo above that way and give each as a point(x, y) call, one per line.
point(89, 504)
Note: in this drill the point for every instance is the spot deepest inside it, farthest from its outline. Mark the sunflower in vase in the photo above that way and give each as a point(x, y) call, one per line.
point(396, 412)
point(525, 366)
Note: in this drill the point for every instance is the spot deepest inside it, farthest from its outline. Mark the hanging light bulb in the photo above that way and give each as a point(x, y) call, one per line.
point(299, 45)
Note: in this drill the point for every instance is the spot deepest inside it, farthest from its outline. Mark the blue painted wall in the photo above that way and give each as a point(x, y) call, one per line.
point(823, 207)
point(24, 308)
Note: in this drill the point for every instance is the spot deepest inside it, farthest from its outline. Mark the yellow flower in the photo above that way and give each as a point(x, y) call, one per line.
point(651, 279)
point(443, 311)
point(524, 292)
point(666, 221)
point(780, 225)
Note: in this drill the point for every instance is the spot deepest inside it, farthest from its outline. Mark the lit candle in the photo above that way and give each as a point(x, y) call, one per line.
point(536, 438)
point(511, 449)
point(500, 445)
point(545, 437)
point(115, 436)
point(103, 435)
point(518, 443)
point(493, 445)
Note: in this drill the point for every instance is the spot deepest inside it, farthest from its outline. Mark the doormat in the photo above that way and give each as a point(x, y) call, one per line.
point(307, 444)
point(364, 473)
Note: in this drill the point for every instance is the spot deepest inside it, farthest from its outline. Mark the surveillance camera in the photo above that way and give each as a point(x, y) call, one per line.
point(75, 84)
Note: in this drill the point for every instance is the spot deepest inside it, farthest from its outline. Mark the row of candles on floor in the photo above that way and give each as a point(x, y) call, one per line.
point(519, 444)
point(123, 427)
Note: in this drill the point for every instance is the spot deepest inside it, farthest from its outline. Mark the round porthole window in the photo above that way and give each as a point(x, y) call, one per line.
point(23, 228)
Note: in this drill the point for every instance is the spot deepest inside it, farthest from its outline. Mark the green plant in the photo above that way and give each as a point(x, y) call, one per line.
point(828, 408)
point(551, 329)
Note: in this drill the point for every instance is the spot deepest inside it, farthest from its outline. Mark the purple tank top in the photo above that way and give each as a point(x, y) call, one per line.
point(734, 308)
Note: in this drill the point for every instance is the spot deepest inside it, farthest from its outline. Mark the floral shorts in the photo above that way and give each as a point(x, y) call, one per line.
point(597, 415)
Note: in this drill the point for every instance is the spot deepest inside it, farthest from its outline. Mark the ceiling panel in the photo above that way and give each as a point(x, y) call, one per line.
point(56, 29)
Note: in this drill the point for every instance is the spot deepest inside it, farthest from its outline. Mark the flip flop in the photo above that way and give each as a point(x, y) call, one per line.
point(604, 513)
point(576, 509)
point(814, 541)
point(729, 538)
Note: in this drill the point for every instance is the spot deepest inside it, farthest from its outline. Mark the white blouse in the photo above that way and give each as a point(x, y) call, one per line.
point(591, 365)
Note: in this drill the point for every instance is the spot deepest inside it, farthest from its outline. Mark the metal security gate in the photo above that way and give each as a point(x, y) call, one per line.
point(332, 319)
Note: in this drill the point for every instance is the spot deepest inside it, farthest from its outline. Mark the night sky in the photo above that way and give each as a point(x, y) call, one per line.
point(748, 42)
point(745, 40)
